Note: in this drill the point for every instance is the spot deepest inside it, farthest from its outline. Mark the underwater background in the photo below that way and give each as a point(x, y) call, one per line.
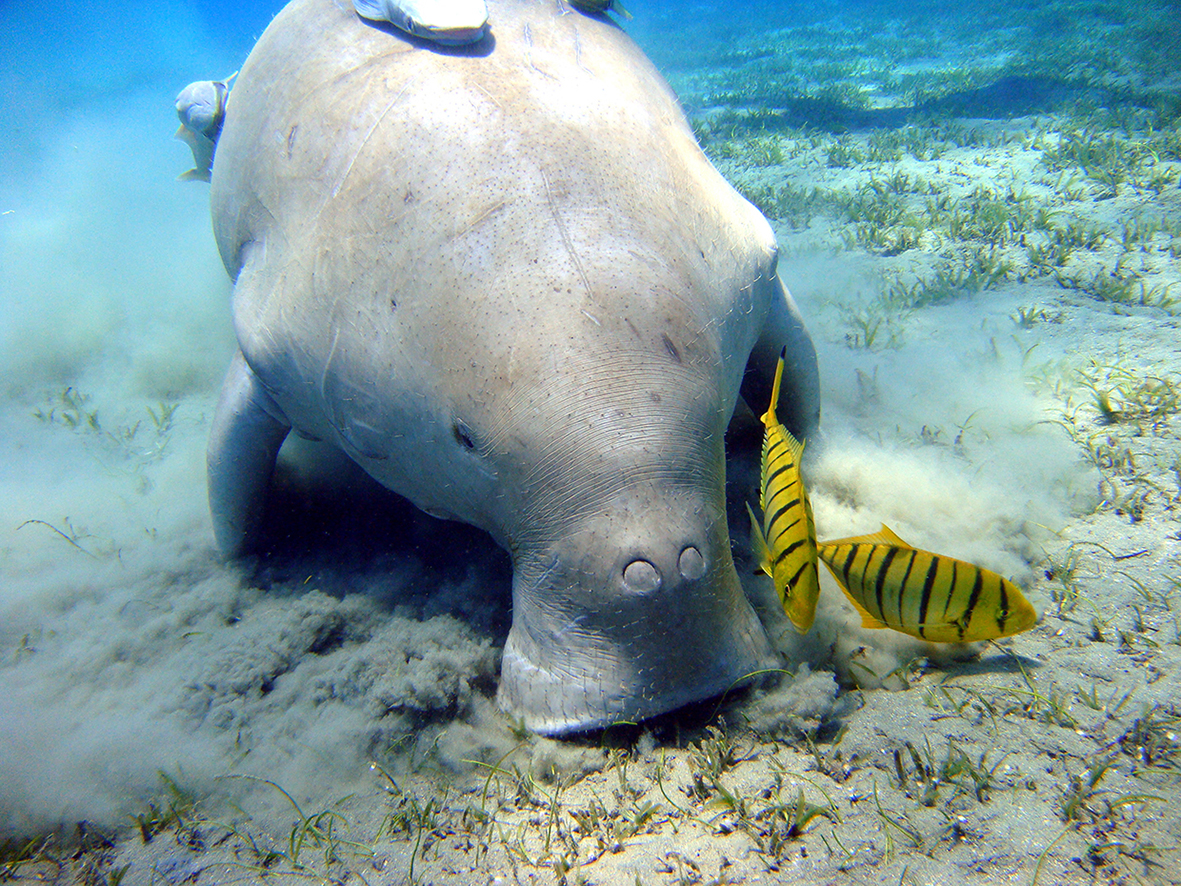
point(979, 211)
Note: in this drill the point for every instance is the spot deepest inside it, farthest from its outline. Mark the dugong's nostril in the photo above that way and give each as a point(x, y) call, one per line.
point(641, 576)
point(691, 564)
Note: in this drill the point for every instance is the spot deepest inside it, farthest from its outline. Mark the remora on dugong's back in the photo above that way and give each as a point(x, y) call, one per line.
point(506, 281)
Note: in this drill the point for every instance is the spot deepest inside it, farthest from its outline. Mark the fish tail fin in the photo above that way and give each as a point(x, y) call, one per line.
point(759, 541)
point(867, 620)
point(769, 419)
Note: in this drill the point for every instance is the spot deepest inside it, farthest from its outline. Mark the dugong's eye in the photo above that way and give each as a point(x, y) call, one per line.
point(463, 435)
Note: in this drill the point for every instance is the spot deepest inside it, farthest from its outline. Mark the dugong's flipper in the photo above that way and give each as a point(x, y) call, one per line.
point(248, 429)
point(799, 400)
point(448, 22)
point(201, 107)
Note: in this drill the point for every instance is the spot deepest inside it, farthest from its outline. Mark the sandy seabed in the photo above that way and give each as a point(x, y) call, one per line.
point(1001, 385)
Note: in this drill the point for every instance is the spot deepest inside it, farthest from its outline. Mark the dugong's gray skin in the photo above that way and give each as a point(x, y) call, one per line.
point(506, 282)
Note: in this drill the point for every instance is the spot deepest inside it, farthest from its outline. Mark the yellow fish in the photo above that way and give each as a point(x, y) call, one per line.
point(926, 595)
point(786, 542)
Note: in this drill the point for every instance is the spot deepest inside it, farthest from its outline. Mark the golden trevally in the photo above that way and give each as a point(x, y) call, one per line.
point(929, 596)
point(786, 542)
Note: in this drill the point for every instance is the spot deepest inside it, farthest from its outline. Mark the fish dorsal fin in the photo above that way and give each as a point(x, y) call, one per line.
point(884, 536)
point(795, 446)
point(890, 537)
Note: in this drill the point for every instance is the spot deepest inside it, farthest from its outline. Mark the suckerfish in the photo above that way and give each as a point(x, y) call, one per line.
point(447, 22)
point(201, 107)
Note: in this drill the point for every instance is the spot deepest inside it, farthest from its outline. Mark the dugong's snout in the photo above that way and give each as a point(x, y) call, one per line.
point(634, 613)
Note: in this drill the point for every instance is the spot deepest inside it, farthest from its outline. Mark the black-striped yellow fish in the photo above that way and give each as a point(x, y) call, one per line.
point(786, 542)
point(928, 596)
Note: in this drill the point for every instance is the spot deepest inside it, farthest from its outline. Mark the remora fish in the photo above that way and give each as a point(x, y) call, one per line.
point(786, 542)
point(928, 596)
point(201, 107)
point(446, 22)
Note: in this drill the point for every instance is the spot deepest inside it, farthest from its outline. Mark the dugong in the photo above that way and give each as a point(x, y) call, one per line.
point(505, 280)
